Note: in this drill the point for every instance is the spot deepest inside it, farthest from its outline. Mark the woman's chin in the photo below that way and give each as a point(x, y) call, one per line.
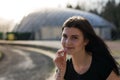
point(69, 53)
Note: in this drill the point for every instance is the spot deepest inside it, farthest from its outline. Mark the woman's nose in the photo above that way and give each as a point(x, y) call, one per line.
point(68, 42)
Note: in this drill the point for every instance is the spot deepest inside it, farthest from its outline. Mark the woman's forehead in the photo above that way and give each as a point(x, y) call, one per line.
point(72, 30)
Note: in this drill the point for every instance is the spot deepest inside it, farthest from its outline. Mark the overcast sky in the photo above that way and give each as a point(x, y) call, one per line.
point(16, 9)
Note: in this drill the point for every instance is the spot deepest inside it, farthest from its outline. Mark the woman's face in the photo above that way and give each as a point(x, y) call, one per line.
point(73, 40)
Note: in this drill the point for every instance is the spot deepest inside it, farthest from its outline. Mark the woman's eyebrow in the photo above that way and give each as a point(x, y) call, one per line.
point(64, 34)
point(75, 35)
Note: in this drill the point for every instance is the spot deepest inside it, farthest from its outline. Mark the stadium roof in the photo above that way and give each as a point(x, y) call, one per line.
point(56, 17)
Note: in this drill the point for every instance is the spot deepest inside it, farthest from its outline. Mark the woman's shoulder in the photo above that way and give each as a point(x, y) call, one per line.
point(102, 60)
point(103, 65)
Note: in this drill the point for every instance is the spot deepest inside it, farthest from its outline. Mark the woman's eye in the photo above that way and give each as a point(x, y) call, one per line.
point(74, 37)
point(64, 36)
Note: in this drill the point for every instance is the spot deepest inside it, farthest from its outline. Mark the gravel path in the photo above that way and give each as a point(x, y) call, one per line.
point(24, 65)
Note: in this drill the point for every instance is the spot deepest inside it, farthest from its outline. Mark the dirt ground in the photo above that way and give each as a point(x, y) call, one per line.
point(12, 64)
point(114, 45)
point(17, 65)
point(115, 49)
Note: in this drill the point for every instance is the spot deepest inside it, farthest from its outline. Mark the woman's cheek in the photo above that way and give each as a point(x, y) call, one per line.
point(63, 42)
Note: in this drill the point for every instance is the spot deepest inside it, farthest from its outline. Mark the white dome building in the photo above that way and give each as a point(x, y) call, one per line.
point(46, 24)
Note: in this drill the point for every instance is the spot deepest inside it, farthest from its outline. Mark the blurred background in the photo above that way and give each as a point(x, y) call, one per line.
point(30, 32)
point(37, 19)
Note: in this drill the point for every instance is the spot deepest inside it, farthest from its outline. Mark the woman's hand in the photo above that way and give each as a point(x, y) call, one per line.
point(60, 62)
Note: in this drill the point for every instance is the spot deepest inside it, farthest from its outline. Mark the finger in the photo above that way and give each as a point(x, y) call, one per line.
point(60, 52)
point(64, 55)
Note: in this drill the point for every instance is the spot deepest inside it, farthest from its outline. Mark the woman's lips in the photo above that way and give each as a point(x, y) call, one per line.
point(69, 48)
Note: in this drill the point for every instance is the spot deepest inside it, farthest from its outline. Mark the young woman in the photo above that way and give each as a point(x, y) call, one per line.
point(90, 57)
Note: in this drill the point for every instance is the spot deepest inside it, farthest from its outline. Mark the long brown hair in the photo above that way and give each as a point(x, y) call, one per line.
point(95, 45)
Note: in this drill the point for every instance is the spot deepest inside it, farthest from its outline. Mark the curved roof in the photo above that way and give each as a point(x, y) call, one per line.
point(56, 17)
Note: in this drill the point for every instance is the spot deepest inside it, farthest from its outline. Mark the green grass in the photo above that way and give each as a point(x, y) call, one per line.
point(117, 40)
point(116, 54)
point(1, 55)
